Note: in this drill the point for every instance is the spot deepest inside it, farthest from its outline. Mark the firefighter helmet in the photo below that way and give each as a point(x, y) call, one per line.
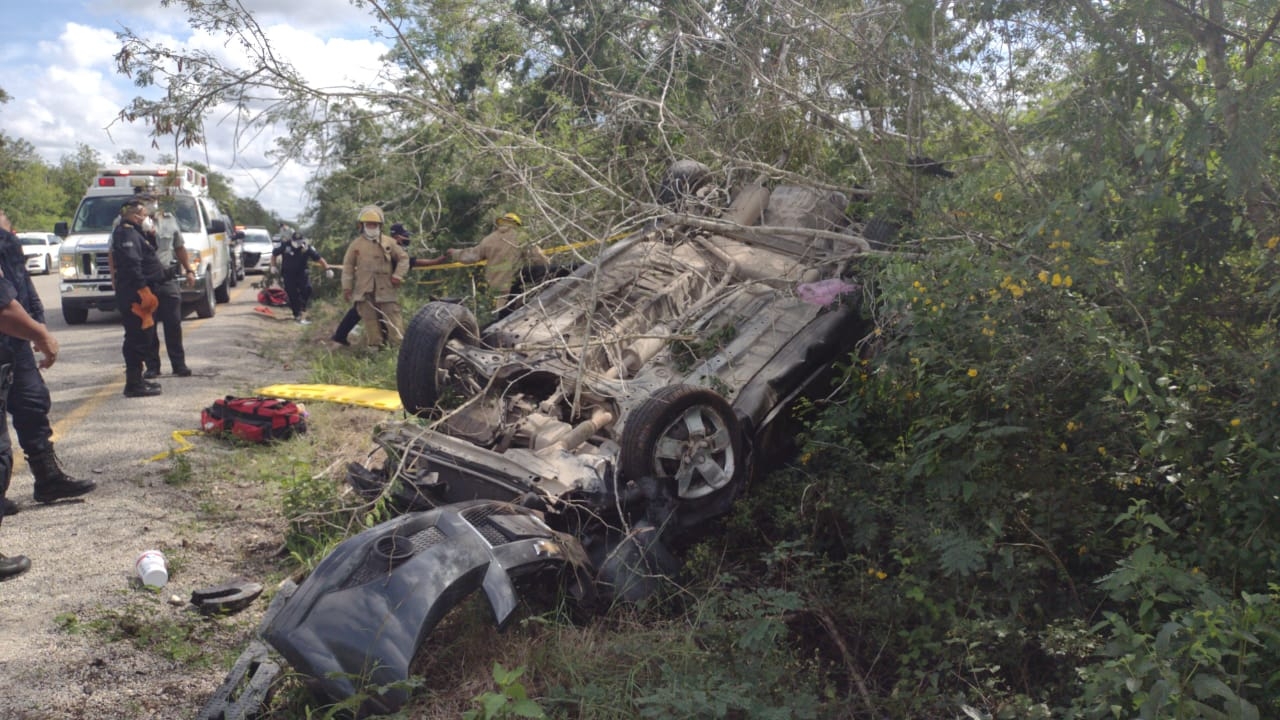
point(370, 214)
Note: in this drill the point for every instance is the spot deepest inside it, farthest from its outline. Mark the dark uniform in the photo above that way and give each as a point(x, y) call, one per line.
point(294, 254)
point(27, 396)
point(166, 242)
point(7, 295)
point(136, 267)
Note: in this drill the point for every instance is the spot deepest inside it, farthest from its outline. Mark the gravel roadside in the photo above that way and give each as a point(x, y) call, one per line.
point(58, 657)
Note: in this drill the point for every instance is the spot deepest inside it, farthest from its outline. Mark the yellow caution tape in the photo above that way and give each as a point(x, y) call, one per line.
point(179, 437)
point(546, 251)
point(376, 398)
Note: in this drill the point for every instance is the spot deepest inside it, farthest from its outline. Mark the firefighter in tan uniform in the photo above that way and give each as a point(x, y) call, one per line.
point(507, 258)
point(372, 271)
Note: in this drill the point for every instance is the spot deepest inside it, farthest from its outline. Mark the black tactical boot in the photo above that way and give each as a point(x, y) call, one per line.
point(8, 507)
point(11, 566)
point(135, 386)
point(52, 483)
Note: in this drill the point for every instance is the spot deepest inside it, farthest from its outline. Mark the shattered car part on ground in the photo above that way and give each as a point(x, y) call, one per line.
point(610, 416)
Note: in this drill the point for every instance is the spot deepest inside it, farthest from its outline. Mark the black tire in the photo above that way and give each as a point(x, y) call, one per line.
point(75, 315)
point(222, 293)
point(205, 306)
point(48, 264)
point(424, 368)
point(689, 440)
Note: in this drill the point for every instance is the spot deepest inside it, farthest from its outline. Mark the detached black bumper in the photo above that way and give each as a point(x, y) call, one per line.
point(358, 620)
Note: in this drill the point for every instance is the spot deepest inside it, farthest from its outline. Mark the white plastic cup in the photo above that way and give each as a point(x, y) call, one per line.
point(151, 569)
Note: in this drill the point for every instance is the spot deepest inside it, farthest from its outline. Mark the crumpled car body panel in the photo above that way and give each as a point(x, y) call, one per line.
point(359, 619)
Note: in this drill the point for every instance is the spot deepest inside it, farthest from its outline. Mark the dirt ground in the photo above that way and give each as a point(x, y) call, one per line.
point(79, 636)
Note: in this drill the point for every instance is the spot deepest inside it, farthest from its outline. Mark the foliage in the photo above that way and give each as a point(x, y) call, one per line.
point(510, 701)
point(1046, 488)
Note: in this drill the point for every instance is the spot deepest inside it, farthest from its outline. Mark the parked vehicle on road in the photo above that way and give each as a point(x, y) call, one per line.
point(588, 435)
point(182, 193)
point(41, 250)
point(257, 250)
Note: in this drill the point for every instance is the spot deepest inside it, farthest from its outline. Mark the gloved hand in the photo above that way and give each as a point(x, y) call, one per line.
point(149, 300)
point(328, 274)
point(146, 307)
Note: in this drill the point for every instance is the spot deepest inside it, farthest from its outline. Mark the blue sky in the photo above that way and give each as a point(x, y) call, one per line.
point(64, 89)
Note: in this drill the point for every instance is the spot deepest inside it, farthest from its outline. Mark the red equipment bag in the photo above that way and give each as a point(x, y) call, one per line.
point(273, 296)
point(255, 419)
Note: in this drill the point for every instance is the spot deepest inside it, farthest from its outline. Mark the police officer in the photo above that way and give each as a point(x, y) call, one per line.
point(137, 271)
point(172, 253)
point(27, 398)
point(294, 253)
point(16, 324)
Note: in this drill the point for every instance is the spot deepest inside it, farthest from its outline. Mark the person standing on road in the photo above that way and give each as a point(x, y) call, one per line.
point(137, 271)
point(372, 271)
point(352, 318)
point(16, 324)
point(172, 253)
point(508, 260)
point(27, 398)
point(294, 253)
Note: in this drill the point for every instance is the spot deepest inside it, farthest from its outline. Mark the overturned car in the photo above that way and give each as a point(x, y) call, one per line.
point(584, 435)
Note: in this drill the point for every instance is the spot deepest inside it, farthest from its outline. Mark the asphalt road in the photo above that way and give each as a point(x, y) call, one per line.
point(96, 428)
point(83, 551)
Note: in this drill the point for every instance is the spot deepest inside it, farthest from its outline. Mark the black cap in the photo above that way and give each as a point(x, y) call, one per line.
point(397, 230)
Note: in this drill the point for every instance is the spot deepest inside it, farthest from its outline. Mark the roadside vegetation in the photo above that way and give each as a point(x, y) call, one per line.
point(1047, 490)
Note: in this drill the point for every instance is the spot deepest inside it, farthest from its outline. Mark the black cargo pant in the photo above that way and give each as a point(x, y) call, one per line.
point(299, 289)
point(137, 342)
point(6, 449)
point(168, 314)
point(29, 402)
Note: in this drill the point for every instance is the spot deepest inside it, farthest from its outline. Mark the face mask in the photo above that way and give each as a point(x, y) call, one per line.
point(373, 232)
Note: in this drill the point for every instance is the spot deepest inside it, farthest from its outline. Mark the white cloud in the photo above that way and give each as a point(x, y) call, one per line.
point(69, 92)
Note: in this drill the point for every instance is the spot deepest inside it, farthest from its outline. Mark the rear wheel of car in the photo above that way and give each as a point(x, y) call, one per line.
point(75, 315)
point(426, 369)
point(205, 305)
point(689, 439)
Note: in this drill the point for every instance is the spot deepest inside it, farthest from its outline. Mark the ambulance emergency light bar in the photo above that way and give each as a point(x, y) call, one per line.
point(150, 177)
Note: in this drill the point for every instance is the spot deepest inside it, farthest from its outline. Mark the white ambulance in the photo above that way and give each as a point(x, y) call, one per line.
point(182, 194)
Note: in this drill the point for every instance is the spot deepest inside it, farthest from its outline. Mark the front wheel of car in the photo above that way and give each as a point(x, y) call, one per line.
point(205, 306)
point(48, 264)
point(688, 438)
point(426, 368)
point(75, 315)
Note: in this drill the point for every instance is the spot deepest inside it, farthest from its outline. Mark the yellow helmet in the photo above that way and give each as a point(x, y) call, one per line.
point(512, 218)
point(370, 214)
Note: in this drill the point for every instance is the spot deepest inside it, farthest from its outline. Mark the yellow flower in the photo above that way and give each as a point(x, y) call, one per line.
point(1063, 447)
point(1057, 280)
point(1102, 451)
point(998, 196)
point(1072, 426)
point(804, 459)
point(1273, 241)
point(1016, 291)
point(1066, 281)
point(880, 574)
point(1043, 276)
point(1083, 549)
point(1235, 422)
point(973, 372)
